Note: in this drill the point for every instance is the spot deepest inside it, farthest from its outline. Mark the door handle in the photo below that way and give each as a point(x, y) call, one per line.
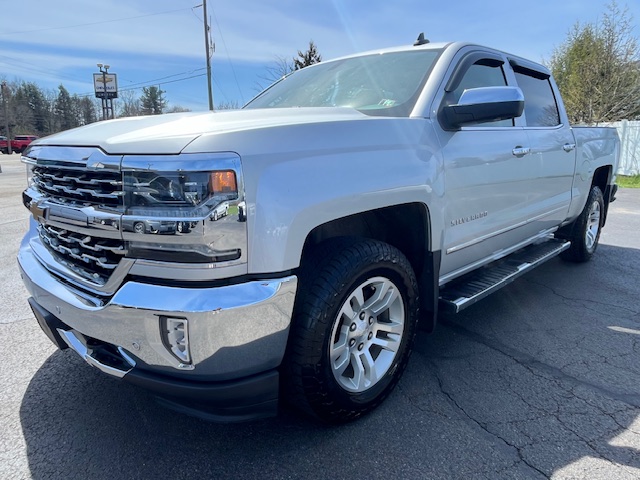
point(567, 147)
point(520, 151)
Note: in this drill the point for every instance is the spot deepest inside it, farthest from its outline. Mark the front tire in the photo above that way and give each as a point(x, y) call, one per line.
point(353, 327)
point(139, 227)
point(584, 232)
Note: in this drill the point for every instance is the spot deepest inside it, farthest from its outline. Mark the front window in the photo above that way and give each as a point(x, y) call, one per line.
point(481, 75)
point(379, 84)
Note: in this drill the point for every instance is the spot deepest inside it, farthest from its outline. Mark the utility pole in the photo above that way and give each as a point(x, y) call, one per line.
point(6, 116)
point(208, 53)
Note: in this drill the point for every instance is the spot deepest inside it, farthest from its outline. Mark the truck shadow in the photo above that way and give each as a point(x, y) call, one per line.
point(530, 381)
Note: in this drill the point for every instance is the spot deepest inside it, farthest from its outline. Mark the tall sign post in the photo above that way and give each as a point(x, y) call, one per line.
point(106, 88)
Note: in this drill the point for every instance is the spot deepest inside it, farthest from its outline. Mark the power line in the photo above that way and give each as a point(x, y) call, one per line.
point(35, 68)
point(95, 23)
point(228, 57)
point(149, 84)
point(168, 76)
point(170, 81)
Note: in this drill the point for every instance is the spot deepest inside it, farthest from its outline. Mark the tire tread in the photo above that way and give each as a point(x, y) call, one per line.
point(323, 279)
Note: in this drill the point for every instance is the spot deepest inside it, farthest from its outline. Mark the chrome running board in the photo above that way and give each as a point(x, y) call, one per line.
point(473, 287)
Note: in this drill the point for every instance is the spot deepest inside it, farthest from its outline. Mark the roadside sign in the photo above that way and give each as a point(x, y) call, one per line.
point(105, 85)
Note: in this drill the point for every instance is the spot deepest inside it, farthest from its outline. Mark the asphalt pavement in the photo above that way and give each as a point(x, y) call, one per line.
point(540, 380)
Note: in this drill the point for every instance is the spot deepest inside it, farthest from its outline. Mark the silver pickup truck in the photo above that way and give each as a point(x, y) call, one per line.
point(291, 249)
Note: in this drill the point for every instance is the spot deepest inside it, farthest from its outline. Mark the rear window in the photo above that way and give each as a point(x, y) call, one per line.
point(540, 107)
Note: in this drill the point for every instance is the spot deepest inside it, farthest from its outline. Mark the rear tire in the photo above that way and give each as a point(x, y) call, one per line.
point(584, 232)
point(352, 331)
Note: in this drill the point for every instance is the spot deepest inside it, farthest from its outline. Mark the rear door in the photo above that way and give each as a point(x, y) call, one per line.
point(552, 143)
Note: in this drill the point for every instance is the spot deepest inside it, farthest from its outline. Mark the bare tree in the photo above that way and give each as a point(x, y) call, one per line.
point(232, 105)
point(283, 66)
point(178, 109)
point(129, 104)
point(279, 68)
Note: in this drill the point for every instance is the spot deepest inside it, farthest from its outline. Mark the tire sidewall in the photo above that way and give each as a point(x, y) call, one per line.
point(325, 384)
point(577, 234)
point(595, 196)
point(581, 253)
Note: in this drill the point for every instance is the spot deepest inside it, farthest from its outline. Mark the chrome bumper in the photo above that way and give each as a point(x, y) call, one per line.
point(233, 331)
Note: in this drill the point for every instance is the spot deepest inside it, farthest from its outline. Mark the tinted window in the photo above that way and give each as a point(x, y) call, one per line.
point(481, 76)
point(540, 106)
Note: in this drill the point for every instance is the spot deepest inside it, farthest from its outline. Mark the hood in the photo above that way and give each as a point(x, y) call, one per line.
point(171, 133)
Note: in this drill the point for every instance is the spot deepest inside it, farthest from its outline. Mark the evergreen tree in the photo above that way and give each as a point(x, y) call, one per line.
point(304, 59)
point(64, 110)
point(152, 101)
point(86, 109)
point(30, 110)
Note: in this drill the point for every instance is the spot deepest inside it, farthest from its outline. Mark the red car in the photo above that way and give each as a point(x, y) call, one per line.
point(21, 142)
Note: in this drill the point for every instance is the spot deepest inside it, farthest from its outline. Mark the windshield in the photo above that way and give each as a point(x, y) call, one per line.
point(379, 84)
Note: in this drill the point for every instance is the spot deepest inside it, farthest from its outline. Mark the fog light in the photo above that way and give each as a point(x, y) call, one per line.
point(176, 337)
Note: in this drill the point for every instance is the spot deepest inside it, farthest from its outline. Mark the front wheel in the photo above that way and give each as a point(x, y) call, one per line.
point(584, 232)
point(353, 327)
point(138, 227)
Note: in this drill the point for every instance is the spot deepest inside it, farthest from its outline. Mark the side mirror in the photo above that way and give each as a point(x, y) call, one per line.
point(485, 104)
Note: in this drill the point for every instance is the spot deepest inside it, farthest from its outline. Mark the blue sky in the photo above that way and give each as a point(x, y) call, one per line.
point(161, 42)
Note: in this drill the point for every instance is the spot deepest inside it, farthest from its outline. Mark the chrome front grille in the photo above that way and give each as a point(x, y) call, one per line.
point(90, 257)
point(99, 217)
point(80, 186)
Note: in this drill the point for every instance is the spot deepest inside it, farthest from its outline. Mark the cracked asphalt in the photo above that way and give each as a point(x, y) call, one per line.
point(540, 380)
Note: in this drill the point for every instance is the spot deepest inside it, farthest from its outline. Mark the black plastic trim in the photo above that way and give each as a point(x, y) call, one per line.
point(609, 195)
point(236, 400)
point(429, 283)
point(480, 57)
point(532, 70)
point(223, 282)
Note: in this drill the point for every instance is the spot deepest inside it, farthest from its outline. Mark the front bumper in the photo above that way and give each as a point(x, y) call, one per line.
point(237, 334)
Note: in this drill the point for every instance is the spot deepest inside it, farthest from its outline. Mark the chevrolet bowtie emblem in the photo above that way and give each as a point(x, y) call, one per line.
point(39, 213)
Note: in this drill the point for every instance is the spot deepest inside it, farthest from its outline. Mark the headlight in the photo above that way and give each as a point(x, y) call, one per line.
point(188, 194)
point(176, 210)
point(29, 168)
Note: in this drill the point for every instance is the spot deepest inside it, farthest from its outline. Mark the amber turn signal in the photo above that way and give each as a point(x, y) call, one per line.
point(224, 181)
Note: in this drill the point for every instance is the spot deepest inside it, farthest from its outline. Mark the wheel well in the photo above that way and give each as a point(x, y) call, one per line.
point(406, 227)
point(601, 178)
